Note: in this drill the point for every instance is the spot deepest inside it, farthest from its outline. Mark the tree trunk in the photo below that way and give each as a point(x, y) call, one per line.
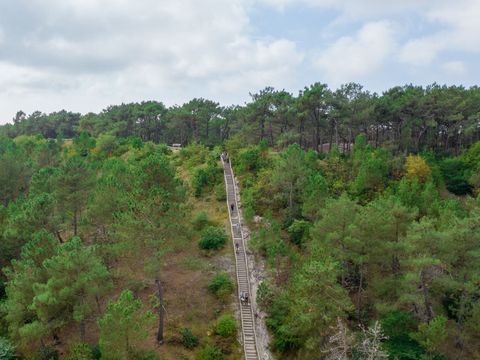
point(426, 298)
point(359, 295)
point(75, 222)
point(82, 322)
point(161, 314)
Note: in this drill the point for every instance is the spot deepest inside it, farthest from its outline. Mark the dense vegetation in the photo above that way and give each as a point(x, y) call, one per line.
point(92, 238)
point(363, 206)
point(403, 119)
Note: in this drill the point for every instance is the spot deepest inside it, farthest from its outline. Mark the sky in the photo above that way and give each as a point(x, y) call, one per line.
point(83, 55)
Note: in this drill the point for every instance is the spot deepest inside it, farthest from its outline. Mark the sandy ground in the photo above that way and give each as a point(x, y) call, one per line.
point(257, 273)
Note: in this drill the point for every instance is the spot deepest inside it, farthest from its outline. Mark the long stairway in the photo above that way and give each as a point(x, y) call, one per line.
point(246, 311)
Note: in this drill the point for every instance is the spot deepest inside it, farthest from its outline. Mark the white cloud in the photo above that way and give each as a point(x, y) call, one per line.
point(356, 9)
point(108, 51)
point(353, 57)
point(460, 32)
point(455, 67)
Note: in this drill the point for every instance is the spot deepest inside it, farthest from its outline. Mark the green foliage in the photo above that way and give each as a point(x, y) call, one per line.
point(48, 353)
point(220, 194)
point(213, 238)
point(299, 231)
point(455, 173)
point(123, 327)
point(143, 355)
point(200, 220)
point(189, 340)
point(80, 352)
point(432, 335)
point(265, 295)
point(209, 352)
point(226, 326)
point(221, 285)
point(7, 350)
point(206, 176)
point(397, 327)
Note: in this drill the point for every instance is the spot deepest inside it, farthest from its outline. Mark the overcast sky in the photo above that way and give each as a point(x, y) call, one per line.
point(83, 55)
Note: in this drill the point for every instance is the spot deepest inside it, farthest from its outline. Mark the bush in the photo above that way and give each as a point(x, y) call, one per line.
point(7, 350)
point(220, 194)
point(209, 353)
point(205, 176)
point(213, 238)
point(144, 355)
point(200, 220)
point(96, 353)
point(397, 327)
point(48, 353)
point(265, 295)
point(226, 326)
point(80, 352)
point(455, 174)
point(299, 231)
point(221, 285)
point(188, 339)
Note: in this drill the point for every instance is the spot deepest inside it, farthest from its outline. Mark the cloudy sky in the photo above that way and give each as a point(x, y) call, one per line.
point(83, 55)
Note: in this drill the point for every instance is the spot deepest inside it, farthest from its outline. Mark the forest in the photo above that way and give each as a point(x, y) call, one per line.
point(363, 207)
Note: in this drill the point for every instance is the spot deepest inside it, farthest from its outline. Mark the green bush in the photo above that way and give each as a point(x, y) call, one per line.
point(200, 220)
point(456, 175)
point(80, 352)
point(299, 231)
point(398, 326)
point(209, 353)
point(48, 353)
point(226, 326)
point(213, 238)
point(96, 353)
point(265, 295)
point(205, 176)
point(7, 350)
point(221, 285)
point(144, 355)
point(220, 194)
point(188, 339)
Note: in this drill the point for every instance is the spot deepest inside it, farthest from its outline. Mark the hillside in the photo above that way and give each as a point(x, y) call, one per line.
point(364, 209)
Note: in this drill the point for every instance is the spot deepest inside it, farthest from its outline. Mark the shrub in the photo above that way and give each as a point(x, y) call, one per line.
point(96, 353)
point(455, 174)
point(220, 285)
point(80, 352)
point(48, 353)
point(299, 231)
point(200, 220)
point(265, 295)
point(199, 181)
point(397, 326)
point(226, 326)
point(417, 167)
point(143, 355)
point(188, 339)
point(213, 238)
point(205, 176)
point(220, 194)
point(209, 353)
point(7, 350)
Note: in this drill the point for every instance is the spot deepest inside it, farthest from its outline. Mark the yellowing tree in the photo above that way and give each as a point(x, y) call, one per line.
point(417, 167)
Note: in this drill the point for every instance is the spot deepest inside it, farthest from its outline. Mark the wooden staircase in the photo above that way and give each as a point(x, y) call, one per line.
point(243, 282)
